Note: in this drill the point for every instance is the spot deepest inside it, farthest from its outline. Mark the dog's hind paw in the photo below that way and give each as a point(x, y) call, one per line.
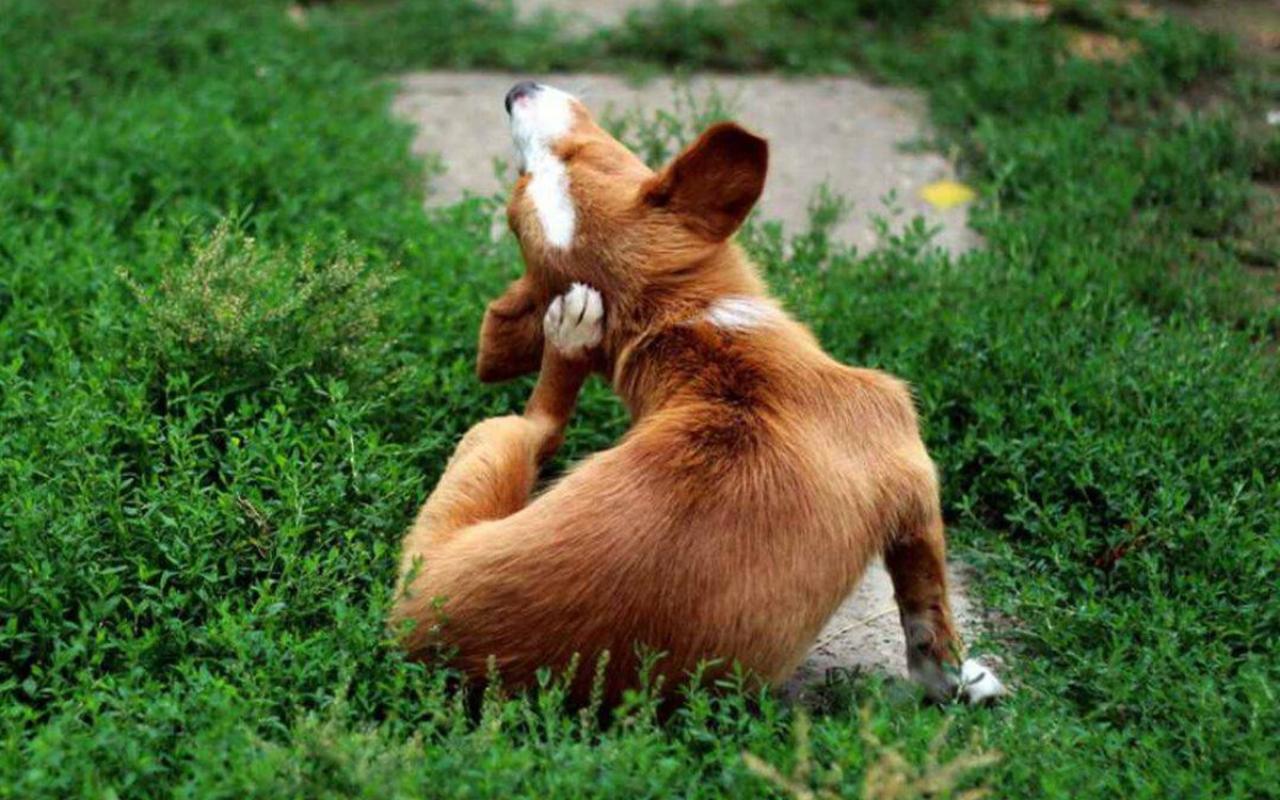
point(574, 322)
point(978, 684)
point(971, 682)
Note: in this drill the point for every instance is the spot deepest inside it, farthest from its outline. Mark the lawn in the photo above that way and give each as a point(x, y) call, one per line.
point(235, 354)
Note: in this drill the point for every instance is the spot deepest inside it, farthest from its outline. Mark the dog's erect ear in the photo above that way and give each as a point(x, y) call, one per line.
point(714, 183)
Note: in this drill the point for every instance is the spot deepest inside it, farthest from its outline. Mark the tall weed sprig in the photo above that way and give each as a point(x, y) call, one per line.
point(242, 311)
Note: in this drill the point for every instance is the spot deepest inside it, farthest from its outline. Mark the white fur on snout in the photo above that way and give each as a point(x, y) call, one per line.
point(549, 190)
point(538, 120)
point(574, 321)
point(741, 313)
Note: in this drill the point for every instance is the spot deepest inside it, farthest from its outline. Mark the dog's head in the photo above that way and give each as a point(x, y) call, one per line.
point(587, 209)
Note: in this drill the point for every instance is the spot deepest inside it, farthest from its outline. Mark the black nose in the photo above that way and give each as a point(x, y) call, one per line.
point(521, 89)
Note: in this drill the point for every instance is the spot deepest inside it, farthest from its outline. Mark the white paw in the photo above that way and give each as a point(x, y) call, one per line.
point(574, 322)
point(978, 684)
point(973, 683)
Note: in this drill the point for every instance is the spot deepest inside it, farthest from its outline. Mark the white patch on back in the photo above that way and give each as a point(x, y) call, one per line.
point(741, 313)
point(537, 121)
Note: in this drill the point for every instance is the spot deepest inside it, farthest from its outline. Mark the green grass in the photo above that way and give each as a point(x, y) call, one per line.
point(201, 501)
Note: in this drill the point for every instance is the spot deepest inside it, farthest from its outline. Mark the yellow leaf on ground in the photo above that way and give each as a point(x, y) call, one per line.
point(947, 194)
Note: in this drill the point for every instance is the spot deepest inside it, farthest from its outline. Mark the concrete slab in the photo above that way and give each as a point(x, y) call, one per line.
point(844, 131)
point(865, 632)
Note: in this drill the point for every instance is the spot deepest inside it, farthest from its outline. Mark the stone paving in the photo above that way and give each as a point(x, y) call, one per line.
point(856, 137)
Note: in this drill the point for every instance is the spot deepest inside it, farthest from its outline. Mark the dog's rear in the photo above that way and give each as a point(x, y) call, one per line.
point(758, 479)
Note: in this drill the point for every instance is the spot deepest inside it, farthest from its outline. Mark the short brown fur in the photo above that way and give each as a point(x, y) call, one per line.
point(757, 481)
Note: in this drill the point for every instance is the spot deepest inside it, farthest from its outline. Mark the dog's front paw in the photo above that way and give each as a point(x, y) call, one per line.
point(574, 322)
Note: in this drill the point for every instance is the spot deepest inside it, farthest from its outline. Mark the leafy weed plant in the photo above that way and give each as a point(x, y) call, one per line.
point(247, 313)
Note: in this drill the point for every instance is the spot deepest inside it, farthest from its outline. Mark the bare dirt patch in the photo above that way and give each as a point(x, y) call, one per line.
point(584, 14)
point(864, 633)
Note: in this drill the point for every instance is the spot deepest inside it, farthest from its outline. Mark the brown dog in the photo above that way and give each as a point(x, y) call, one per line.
point(759, 476)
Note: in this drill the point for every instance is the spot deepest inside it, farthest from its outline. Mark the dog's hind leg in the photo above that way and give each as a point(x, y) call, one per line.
point(916, 561)
point(493, 469)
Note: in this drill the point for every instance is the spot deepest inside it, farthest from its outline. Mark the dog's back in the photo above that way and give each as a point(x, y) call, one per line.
point(728, 524)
